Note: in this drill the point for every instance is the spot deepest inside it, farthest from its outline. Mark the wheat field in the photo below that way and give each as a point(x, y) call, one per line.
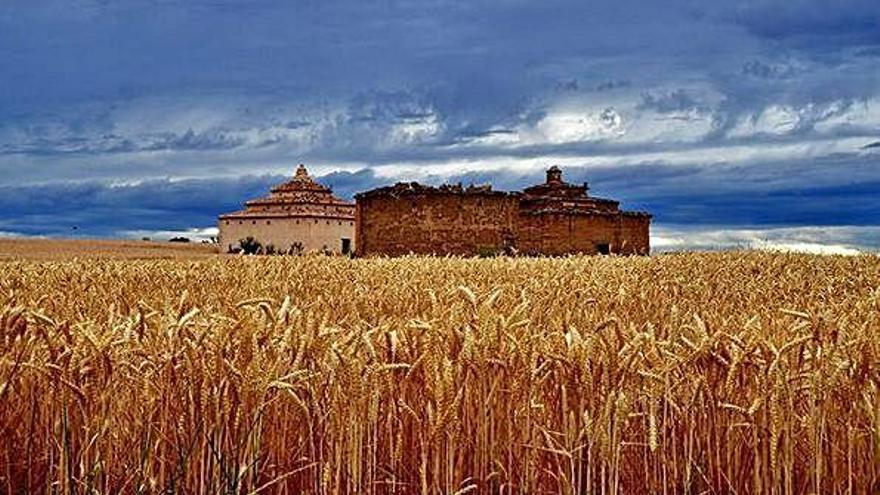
point(66, 249)
point(735, 372)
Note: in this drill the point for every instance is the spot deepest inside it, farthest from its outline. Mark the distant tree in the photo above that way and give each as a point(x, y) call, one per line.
point(295, 248)
point(269, 249)
point(249, 245)
point(145, 238)
point(487, 252)
point(179, 239)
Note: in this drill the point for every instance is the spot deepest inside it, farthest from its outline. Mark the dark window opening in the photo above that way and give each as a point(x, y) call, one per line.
point(346, 246)
point(603, 248)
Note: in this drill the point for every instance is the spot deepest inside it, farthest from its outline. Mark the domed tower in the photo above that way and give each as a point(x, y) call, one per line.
point(298, 215)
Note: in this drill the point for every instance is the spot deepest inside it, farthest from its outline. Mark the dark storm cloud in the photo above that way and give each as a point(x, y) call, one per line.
point(99, 209)
point(101, 92)
point(728, 195)
point(476, 65)
point(477, 61)
point(806, 22)
point(667, 190)
point(347, 184)
point(112, 143)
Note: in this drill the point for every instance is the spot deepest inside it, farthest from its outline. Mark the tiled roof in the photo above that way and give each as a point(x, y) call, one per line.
point(299, 197)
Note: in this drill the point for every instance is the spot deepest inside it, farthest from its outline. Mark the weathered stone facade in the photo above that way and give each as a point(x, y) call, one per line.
point(553, 218)
point(299, 212)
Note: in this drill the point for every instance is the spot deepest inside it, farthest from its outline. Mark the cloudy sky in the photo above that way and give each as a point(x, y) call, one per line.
point(754, 122)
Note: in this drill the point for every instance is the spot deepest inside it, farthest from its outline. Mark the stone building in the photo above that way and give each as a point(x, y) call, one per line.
point(299, 213)
point(552, 218)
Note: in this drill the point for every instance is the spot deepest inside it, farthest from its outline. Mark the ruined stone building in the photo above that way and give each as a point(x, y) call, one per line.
point(299, 213)
point(552, 218)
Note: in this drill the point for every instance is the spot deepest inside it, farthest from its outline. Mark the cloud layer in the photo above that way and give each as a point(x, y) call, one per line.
point(755, 114)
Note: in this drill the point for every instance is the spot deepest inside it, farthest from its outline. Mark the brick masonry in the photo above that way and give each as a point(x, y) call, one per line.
point(554, 218)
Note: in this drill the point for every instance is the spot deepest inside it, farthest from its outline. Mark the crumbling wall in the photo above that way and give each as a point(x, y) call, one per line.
point(568, 233)
point(434, 223)
point(408, 218)
point(635, 235)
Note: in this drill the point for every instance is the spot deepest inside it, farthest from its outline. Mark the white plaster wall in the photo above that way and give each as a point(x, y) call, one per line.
point(313, 233)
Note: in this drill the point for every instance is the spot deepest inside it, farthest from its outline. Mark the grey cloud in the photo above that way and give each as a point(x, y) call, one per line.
point(103, 209)
point(114, 143)
point(101, 91)
point(190, 140)
point(839, 190)
point(733, 196)
point(868, 52)
point(100, 209)
point(756, 68)
point(823, 240)
point(468, 63)
point(347, 184)
point(613, 84)
point(788, 193)
point(574, 85)
point(842, 22)
point(387, 106)
point(569, 85)
point(677, 100)
point(472, 136)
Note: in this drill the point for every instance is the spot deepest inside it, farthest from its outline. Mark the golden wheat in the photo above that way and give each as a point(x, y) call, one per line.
point(696, 373)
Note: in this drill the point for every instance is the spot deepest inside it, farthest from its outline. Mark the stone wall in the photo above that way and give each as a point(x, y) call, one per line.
point(434, 223)
point(281, 232)
point(565, 233)
point(468, 224)
point(635, 237)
